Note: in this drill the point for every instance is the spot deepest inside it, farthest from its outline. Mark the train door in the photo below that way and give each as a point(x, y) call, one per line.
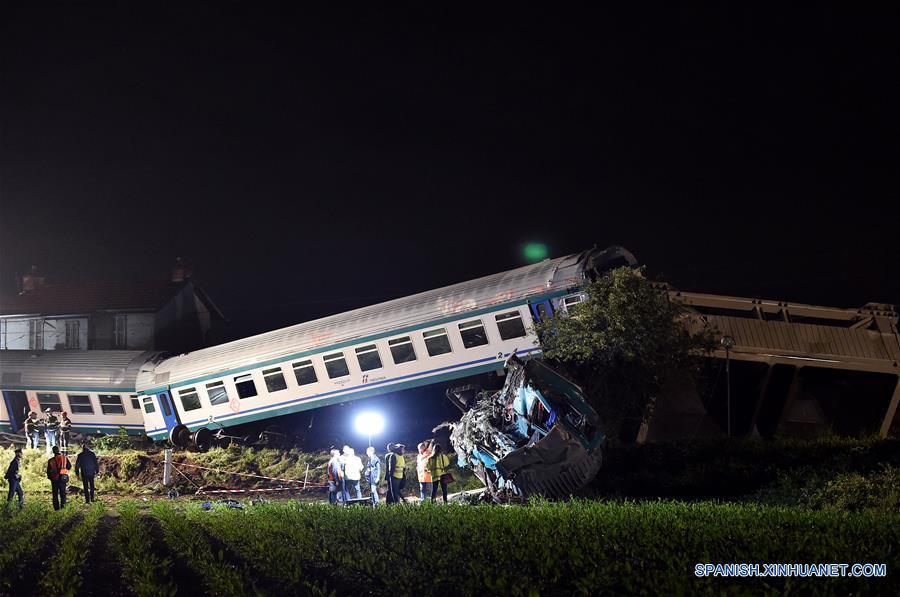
point(541, 310)
point(17, 407)
point(167, 408)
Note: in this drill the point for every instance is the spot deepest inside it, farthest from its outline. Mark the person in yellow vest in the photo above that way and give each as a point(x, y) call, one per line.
point(423, 469)
point(394, 462)
point(439, 476)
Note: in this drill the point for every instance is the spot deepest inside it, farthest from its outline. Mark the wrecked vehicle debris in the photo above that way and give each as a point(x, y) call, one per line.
point(537, 436)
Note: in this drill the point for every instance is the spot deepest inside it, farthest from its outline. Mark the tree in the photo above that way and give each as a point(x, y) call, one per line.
point(625, 345)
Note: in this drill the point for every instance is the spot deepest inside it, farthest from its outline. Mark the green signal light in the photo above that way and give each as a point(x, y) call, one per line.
point(535, 252)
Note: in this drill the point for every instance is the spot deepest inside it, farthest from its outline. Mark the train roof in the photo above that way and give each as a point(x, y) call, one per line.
point(548, 276)
point(85, 370)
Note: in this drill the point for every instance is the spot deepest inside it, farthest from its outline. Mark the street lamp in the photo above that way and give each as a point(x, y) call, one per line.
point(727, 343)
point(370, 424)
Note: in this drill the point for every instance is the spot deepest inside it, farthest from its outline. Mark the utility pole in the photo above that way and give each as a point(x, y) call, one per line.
point(727, 343)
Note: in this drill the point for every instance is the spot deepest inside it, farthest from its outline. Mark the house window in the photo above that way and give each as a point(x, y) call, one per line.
point(111, 404)
point(80, 404)
point(50, 401)
point(472, 333)
point(402, 350)
point(274, 380)
point(189, 399)
point(148, 405)
point(36, 334)
point(120, 331)
point(368, 357)
point(437, 342)
point(336, 365)
point(135, 403)
point(245, 386)
point(510, 325)
point(73, 334)
point(571, 301)
point(217, 393)
point(305, 373)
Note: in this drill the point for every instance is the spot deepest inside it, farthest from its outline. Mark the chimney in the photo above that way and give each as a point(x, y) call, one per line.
point(32, 280)
point(180, 272)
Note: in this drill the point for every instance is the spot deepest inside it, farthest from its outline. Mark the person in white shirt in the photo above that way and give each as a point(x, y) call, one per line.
point(353, 467)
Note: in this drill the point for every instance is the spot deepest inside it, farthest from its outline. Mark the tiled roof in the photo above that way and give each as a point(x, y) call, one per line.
point(86, 297)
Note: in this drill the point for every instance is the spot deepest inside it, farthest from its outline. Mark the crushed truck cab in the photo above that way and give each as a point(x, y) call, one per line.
point(536, 436)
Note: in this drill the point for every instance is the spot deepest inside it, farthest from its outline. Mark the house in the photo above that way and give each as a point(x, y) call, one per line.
point(171, 314)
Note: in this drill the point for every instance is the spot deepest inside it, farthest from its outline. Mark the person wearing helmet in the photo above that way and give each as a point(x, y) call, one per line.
point(65, 427)
point(33, 431)
point(51, 429)
point(58, 472)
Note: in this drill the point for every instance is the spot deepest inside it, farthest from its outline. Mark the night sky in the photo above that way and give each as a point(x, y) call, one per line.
point(306, 164)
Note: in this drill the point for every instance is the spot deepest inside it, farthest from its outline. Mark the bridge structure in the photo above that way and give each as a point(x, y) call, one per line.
point(795, 370)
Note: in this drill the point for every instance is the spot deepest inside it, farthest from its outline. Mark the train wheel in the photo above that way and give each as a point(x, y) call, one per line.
point(202, 439)
point(180, 436)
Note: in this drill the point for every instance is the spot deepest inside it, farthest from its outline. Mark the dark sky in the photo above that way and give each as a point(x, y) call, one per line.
point(306, 164)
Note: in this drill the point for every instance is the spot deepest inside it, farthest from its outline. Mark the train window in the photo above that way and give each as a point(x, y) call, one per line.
point(50, 401)
point(80, 404)
point(472, 333)
point(111, 404)
point(274, 380)
point(305, 373)
point(571, 301)
point(189, 399)
point(368, 357)
point(437, 342)
point(217, 393)
point(135, 403)
point(510, 325)
point(245, 386)
point(402, 350)
point(336, 365)
point(164, 400)
point(148, 405)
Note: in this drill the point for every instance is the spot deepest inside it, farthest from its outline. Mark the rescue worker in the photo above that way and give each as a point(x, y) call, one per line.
point(65, 427)
point(52, 427)
point(33, 431)
point(423, 470)
point(58, 472)
point(394, 462)
point(14, 476)
point(439, 475)
point(373, 473)
point(334, 477)
point(87, 466)
point(353, 467)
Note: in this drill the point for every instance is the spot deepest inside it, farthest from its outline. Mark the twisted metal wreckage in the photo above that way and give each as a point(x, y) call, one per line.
point(537, 436)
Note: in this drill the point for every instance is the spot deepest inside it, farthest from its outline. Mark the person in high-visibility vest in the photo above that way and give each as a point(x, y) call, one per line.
point(58, 472)
point(423, 470)
point(65, 427)
point(439, 463)
point(52, 426)
point(394, 463)
point(33, 430)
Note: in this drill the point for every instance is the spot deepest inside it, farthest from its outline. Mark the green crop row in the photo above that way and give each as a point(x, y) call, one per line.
point(189, 540)
point(13, 521)
point(147, 574)
point(64, 576)
point(21, 548)
point(265, 542)
point(551, 548)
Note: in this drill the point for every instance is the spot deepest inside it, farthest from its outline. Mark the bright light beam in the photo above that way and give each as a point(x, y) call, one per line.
point(369, 424)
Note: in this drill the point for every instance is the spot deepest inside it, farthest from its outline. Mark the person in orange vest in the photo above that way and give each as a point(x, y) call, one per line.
point(58, 472)
point(426, 450)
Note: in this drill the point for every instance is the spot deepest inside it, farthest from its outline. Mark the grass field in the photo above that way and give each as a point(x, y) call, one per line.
point(578, 547)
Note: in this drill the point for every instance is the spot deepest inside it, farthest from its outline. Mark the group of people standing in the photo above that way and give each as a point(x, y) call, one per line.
point(56, 430)
point(345, 470)
point(86, 468)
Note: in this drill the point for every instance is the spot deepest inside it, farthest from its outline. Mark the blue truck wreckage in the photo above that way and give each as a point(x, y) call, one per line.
point(538, 436)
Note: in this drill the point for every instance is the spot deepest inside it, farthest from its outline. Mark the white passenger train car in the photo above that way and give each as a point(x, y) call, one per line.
point(95, 387)
point(452, 332)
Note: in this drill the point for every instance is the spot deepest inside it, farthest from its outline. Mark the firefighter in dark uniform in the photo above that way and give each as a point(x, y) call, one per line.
point(65, 427)
point(51, 430)
point(33, 430)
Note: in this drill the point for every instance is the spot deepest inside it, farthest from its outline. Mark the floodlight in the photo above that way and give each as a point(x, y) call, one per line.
point(369, 424)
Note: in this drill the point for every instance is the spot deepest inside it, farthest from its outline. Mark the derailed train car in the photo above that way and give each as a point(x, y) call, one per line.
point(536, 436)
